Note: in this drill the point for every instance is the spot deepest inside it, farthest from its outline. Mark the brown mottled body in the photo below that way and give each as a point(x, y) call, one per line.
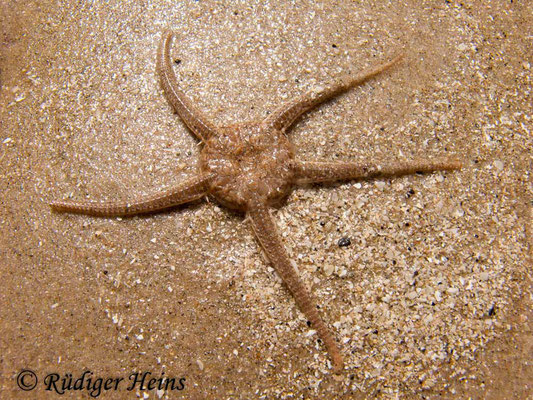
point(248, 161)
point(251, 166)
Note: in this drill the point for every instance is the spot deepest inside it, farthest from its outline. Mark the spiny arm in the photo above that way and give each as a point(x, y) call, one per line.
point(267, 235)
point(282, 118)
point(188, 190)
point(316, 172)
point(197, 122)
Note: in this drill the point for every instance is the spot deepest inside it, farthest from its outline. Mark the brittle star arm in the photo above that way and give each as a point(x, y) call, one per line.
point(197, 122)
point(283, 117)
point(316, 172)
point(267, 235)
point(188, 190)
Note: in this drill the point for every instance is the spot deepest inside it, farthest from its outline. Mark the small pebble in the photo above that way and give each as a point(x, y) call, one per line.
point(492, 310)
point(200, 364)
point(345, 241)
point(498, 165)
point(380, 185)
point(328, 269)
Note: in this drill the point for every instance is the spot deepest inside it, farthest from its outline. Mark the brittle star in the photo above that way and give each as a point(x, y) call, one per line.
point(252, 166)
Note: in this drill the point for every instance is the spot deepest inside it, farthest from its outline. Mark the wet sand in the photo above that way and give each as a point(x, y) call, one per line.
point(431, 298)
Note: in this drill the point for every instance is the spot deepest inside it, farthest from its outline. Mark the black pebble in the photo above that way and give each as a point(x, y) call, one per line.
point(345, 241)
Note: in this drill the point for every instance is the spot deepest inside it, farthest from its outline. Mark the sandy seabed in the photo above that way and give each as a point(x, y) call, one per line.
point(431, 298)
